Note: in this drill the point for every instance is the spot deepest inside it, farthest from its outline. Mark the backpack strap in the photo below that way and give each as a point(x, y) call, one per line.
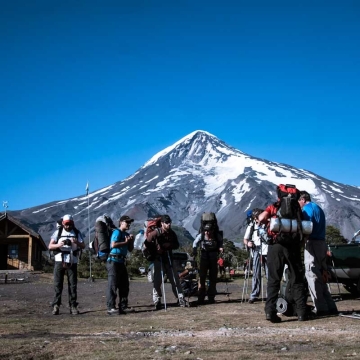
point(59, 234)
point(76, 231)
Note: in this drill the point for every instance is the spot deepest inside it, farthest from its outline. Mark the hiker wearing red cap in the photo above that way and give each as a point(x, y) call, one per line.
point(66, 243)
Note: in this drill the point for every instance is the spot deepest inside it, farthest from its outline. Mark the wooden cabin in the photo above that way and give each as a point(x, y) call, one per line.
point(20, 247)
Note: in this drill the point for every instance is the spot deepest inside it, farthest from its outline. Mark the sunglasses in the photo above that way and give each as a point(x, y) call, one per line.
point(128, 222)
point(167, 222)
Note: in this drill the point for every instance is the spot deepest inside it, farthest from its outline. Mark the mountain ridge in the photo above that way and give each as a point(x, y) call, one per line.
point(200, 173)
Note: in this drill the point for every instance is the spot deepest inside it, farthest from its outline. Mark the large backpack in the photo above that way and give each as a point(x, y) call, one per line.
point(210, 218)
point(100, 246)
point(149, 249)
point(289, 205)
point(287, 224)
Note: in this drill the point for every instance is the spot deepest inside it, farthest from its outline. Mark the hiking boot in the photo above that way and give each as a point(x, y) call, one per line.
point(201, 300)
point(251, 301)
point(112, 311)
point(125, 310)
point(181, 300)
point(211, 300)
point(74, 310)
point(273, 318)
point(302, 317)
point(158, 305)
point(56, 310)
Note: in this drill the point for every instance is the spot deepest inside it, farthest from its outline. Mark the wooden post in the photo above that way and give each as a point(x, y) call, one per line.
point(30, 254)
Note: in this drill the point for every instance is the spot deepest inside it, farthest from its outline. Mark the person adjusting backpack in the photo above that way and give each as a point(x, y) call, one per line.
point(210, 242)
point(66, 243)
point(284, 248)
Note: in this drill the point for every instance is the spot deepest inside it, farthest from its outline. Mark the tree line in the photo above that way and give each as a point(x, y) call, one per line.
point(233, 256)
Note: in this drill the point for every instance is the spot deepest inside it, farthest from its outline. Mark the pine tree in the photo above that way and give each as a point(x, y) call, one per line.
point(333, 236)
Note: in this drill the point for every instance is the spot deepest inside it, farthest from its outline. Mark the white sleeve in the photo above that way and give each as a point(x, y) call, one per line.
point(54, 235)
point(248, 232)
point(197, 240)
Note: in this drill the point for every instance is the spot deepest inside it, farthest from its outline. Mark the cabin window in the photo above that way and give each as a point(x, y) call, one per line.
point(13, 251)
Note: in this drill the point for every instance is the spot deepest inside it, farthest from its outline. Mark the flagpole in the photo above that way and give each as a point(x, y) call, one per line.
point(87, 194)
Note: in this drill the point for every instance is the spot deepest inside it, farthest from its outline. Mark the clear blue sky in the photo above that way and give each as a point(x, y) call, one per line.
point(90, 90)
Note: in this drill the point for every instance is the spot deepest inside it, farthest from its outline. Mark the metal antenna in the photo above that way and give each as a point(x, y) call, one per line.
point(5, 205)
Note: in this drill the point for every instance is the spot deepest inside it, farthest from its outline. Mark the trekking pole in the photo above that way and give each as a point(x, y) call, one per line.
point(226, 284)
point(227, 289)
point(243, 289)
point(163, 282)
point(251, 268)
point(172, 270)
point(261, 278)
point(246, 276)
point(87, 194)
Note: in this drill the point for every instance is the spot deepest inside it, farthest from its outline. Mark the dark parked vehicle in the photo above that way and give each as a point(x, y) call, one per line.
point(345, 266)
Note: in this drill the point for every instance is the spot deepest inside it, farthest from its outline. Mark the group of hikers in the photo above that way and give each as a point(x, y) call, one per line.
point(275, 237)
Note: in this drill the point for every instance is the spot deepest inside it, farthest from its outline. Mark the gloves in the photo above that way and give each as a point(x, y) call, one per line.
point(194, 253)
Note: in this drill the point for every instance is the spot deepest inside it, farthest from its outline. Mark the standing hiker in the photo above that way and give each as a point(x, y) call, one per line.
point(253, 242)
point(118, 279)
point(165, 240)
point(284, 248)
point(315, 257)
point(66, 243)
point(210, 242)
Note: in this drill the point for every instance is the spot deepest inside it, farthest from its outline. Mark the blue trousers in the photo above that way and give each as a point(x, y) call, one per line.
point(257, 279)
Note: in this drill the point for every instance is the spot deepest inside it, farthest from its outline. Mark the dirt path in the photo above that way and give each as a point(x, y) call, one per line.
point(228, 328)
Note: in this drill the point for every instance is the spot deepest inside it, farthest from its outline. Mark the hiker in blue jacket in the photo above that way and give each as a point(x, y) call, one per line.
point(315, 257)
point(118, 279)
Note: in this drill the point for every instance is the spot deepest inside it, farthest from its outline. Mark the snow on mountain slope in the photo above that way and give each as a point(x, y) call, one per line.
point(202, 173)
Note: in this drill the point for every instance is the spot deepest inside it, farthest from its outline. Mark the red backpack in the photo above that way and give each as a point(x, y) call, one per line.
point(288, 199)
point(149, 250)
point(152, 224)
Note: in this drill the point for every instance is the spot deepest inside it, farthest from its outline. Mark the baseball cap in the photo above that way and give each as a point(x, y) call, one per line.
point(67, 219)
point(126, 218)
point(165, 218)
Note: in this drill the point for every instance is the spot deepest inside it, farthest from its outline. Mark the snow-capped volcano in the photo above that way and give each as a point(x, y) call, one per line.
point(202, 173)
